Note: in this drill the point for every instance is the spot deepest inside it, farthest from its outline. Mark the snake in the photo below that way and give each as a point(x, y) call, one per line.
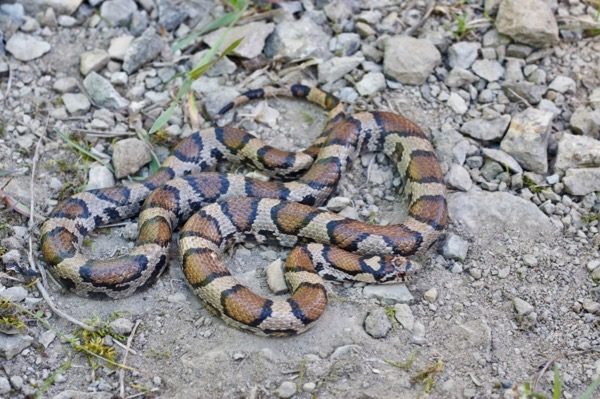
point(221, 209)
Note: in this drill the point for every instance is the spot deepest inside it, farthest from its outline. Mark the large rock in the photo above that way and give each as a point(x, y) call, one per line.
point(142, 50)
point(409, 60)
point(297, 40)
point(25, 47)
point(59, 6)
point(12, 345)
point(527, 139)
point(582, 181)
point(530, 22)
point(486, 129)
point(103, 93)
point(576, 152)
point(254, 35)
point(488, 215)
point(129, 156)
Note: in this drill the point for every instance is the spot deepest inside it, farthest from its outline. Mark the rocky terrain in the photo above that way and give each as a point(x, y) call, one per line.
point(508, 91)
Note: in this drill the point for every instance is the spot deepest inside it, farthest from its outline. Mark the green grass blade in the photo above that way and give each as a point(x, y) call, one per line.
point(199, 71)
point(557, 383)
point(83, 150)
point(590, 390)
point(214, 25)
point(163, 118)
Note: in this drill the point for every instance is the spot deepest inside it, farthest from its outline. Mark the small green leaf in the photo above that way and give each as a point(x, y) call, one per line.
point(163, 118)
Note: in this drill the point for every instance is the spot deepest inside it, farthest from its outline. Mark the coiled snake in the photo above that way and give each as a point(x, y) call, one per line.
point(233, 208)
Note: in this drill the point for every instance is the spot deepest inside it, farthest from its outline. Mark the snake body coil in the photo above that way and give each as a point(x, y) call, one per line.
point(242, 208)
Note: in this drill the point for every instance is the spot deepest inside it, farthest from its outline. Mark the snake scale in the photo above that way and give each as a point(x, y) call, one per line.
point(222, 209)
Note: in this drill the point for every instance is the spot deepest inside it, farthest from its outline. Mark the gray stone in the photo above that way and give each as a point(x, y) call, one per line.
point(377, 323)
point(345, 44)
point(586, 122)
point(17, 382)
point(575, 152)
point(336, 204)
point(404, 315)
point(139, 23)
point(15, 11)
point(408, 60)
point(12, 345)
point(593, 265)
point(527, 139)
point(530, 22)
point(178, 297)
point(65, 85)
point(99, 177)
point(458, 77)
point(463, 54)
point(4, 386)
point(76, 103)
point(594, 98)
point(502, 158)
point(563, 84)
point(122, 326)
point(471, 336)
point(47, 337)
point(25, 47)
point(118, 47)
point(14, 294)
point(518, 50)
point(119, 79)
point(169, 15)
point(457, 104)
point(371, 84)
point(275, 278)
point(522, 307)
point(514, 70)
point(118, 12)
point(549, 106)
point(490, 170)
point(458, 178)
point(129, 155)
point(431, 295)
point(489, 70)
point(582, 181)
point(142, 50)
point(528, 91)
point(486, 129)
point(455, 248)
point(93, 61)
point(102, 92)
point(254, 34)
point(445, 142)
point(12, 256)
point(298, 40)
point(343, 351)
point(389, 294)
point(335, 68)
point(72, 394)
point(490, 214)
point(287, 389)
point(66, 21)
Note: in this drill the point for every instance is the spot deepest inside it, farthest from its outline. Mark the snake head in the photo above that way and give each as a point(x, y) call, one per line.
point(398, 269)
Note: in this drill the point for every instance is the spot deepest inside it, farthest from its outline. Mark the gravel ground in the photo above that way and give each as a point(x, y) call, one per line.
point(509, 93)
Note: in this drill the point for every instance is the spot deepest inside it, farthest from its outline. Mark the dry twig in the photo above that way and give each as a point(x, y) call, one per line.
point(122, 370)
